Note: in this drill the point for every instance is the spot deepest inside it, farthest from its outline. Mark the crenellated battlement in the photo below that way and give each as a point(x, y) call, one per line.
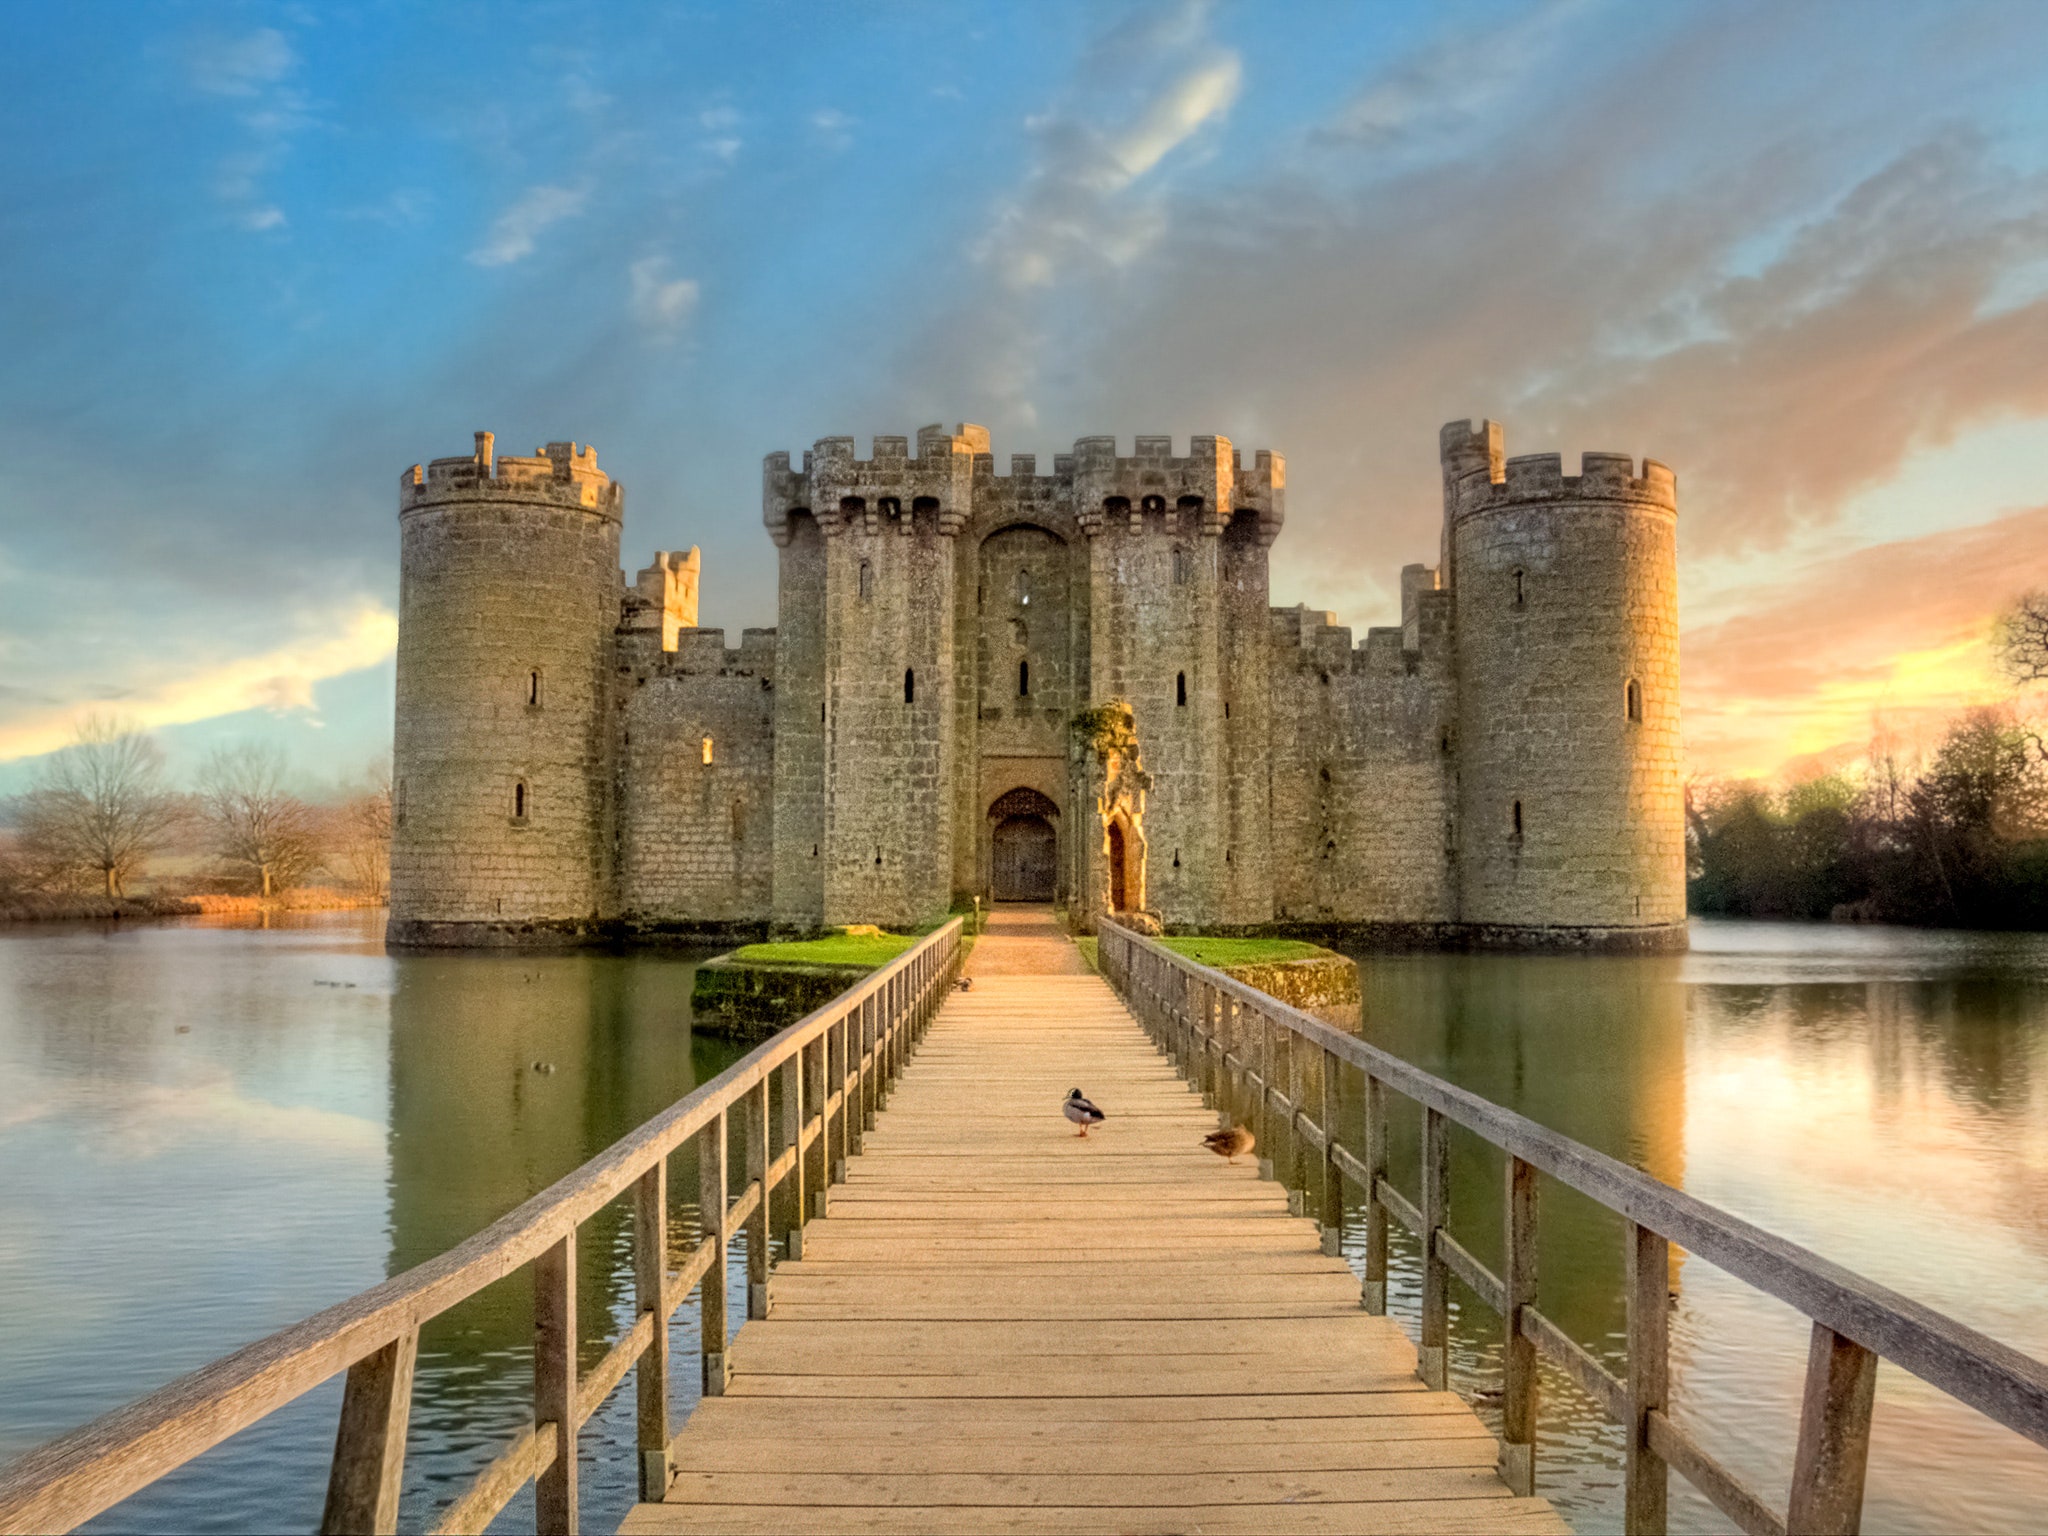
point(559, 474)
point(703, 653)
point(954, 472)
point(1478, 478)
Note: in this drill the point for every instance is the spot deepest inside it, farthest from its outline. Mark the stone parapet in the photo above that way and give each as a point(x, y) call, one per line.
point(560, 474)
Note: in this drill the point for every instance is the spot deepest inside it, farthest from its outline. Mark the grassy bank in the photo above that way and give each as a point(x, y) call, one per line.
point(71, 909)
point(869, 950)
point(1227, 952)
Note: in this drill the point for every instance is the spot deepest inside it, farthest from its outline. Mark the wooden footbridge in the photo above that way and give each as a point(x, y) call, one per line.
point(1003, 1327)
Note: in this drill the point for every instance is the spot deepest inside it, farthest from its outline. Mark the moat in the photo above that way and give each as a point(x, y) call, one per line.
point(209, 1130)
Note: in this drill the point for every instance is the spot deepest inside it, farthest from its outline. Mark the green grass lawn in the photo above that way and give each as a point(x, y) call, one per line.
point(1225, 952)
point(833, 949)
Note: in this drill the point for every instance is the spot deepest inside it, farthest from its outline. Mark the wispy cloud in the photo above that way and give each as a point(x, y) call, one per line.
point(1897, 631)
point(1451, 81)
point(834, 127)
point(515, 231)
point(241, 66)
point(1094, 198)
point(281, 679)
point(661, 303)
point(254, 72)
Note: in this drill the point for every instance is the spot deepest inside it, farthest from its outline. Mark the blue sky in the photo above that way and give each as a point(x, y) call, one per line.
point(260, 258)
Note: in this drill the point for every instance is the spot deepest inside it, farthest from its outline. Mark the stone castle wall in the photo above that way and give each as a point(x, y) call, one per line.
point(940, 627)
point(1566, 623)
point(697, 773)
point(509, 593)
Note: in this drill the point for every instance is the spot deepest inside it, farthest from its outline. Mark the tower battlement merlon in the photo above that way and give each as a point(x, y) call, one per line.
point(784, 492)
point(559, 474)
point(931, 490)
point(1211, 472)
point(1478, 478)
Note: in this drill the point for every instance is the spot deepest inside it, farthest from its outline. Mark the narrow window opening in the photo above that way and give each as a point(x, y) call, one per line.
point(398, 802)
point(707, 751)
point(519, 801)
point(1180, 568)
point(1022, 588)
point(1226, 709)
point(1518, 587)
point(867, 581)
point(1180, 688)
point(821, 711)
point(1023, 679)
point(739, 821)
point(1518, 819)
point(1635, 701)
point(909, 686)
point(533, 688)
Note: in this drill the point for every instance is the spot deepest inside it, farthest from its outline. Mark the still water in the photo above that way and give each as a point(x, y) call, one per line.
point(1879, 1095)
point(208, 1131)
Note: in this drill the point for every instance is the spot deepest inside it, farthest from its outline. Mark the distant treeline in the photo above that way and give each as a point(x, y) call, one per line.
point(100, 831)
point(1959, 841)
point(1962, 842)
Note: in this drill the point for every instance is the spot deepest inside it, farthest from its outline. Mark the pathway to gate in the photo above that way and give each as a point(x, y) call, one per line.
point(1005, 1327)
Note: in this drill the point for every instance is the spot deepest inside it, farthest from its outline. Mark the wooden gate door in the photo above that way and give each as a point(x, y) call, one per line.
point(1026, 855)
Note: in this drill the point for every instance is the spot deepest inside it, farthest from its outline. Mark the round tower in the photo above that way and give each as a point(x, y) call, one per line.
point(1571, 819)
point(509, 593)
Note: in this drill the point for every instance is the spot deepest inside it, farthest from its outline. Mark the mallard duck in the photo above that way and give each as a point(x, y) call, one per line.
point(1231, 1144)
point(1081, 1112)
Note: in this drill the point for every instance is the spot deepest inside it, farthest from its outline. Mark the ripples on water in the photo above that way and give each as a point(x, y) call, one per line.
point(1879, 1095)
point(208, 1131)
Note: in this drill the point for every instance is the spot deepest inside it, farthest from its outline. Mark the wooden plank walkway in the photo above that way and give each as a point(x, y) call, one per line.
point(1006, 1328)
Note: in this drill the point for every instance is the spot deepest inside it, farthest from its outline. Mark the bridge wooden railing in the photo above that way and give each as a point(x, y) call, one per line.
point(1251, 1055)
point(835, 1066)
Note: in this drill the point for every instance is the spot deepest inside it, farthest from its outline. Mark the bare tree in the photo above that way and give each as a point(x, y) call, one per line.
point(2021, 638)
point(363, 831)
point(98, 808)
point(253, 821)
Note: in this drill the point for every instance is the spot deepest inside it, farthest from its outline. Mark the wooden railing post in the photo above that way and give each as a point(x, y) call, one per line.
point(1646, 1479)
point(1373, 1290)
point(1296, 1079)
point(793, 1136)
point(650, 1280)
point(756, 1175)
point(554, 1383)
point(1518, 1353)
point(369, 1442)
point(871, 1062)
point(1834, 1437)
point(1263, 1124)
point(1333, 1177)
point(711, 1183)
point(817, 1084)
point(840, 1072)
point(1212, 1050)
point(1434, 1347)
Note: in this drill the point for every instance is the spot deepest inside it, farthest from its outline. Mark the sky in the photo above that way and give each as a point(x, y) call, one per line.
point(258, 259)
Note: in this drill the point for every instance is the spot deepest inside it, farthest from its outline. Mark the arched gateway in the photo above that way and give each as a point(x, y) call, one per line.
point(1023, 847)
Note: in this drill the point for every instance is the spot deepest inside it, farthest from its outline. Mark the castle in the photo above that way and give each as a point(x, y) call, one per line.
point(1063, 687)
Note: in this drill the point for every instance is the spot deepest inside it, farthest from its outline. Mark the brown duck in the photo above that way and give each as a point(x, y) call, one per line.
point(1231, 1144)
